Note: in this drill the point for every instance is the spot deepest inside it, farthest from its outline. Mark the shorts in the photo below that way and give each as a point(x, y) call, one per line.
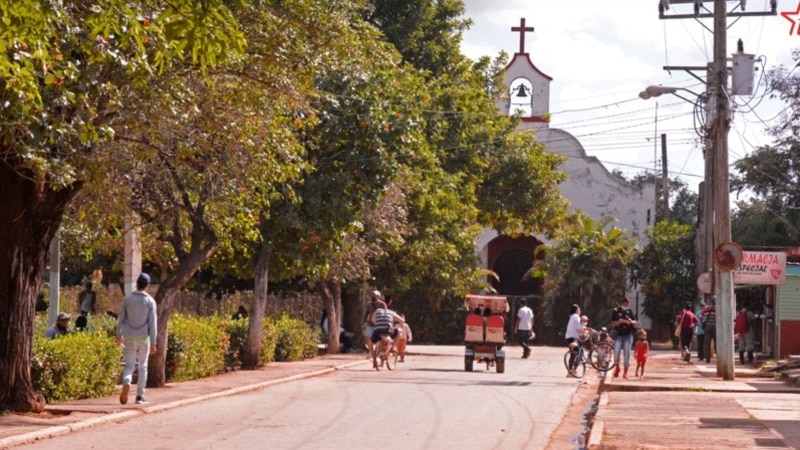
point(376, 334)
point(368, 331)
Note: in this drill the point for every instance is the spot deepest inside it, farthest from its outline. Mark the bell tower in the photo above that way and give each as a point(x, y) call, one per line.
point(528, 92)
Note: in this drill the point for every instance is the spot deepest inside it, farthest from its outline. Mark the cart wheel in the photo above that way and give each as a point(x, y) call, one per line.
point(501, 366)
point(468, 363)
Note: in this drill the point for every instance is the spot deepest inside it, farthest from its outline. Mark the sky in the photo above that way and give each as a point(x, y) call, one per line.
point(602, 53)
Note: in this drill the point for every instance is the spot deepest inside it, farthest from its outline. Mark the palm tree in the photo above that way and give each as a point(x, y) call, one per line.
point(588, 267)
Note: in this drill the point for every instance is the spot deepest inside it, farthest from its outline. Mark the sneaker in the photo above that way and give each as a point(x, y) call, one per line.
point(141, 400)
point(616, 372)
point(123, 396)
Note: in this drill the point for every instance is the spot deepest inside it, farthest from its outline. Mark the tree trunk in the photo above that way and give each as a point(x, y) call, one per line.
point(32, 213)
point(252, 346)
point(352, 315)
point(328, 296)
point(165, 299)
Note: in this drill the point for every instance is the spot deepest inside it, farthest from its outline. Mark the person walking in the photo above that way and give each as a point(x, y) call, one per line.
point(709, 320)
point(699, 331)
point(404, 337)
point(137, 332)
point(686, 322)
point(742, 327)
point(641, 351)
point(524, 327)
point(623, 322)
point(87, 299)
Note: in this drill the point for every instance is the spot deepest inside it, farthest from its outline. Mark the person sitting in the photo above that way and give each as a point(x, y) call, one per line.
point(345, 337)
point(81, 322)
point(61, 327)
point(41, 304)
point(240, 313)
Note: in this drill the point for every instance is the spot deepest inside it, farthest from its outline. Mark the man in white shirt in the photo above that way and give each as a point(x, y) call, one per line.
point(524, 327)
point(573, 332)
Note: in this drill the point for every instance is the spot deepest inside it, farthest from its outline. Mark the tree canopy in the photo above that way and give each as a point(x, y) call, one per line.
point(772, 173)
point(665, 271)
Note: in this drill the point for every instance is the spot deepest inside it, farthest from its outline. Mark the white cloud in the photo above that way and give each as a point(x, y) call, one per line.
point(602, 53)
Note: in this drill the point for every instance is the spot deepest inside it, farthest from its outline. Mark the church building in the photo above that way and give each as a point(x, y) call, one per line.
point(590, 187)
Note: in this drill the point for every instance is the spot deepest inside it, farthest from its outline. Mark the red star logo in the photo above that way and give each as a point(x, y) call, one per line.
point(793, 17)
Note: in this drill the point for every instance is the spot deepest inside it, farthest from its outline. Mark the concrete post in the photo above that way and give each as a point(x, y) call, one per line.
point(722, 212)
point(133, 257)
point(55, 279)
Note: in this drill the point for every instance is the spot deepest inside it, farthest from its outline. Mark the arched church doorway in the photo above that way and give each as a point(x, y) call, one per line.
point(510, 258)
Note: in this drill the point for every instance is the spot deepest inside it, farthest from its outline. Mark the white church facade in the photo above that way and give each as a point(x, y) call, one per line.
point(590, 188)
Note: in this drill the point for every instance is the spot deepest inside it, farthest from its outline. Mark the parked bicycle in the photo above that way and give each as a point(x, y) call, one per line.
point(385, 353)
point(594, 348)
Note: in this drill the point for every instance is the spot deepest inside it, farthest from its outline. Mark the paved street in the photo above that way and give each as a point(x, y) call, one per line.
point(427, 402)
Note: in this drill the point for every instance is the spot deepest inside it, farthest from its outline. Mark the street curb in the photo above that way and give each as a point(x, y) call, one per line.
point(59, 430)
point(34, 436)
point(596, 431)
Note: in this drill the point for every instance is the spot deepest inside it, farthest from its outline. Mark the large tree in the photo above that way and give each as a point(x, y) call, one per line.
point(62, 65)
point(482, 174)
point(665, 271)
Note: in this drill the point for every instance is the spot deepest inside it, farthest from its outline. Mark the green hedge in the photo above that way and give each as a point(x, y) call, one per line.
point(296, 339)
point(76, 366)
point(195, 348)
point(88, 364)
point(237, 330)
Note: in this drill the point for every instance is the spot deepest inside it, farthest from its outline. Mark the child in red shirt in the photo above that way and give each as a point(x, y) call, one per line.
point(642, 348)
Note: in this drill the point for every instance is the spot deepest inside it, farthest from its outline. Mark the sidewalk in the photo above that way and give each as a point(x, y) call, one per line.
point(686, 405)
point(62, 418)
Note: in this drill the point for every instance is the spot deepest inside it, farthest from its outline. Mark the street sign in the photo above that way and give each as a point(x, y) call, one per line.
point(761, 268)
point(704, 283)
point(728, 256)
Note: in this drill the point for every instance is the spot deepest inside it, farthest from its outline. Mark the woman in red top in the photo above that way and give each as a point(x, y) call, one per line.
point(687, 321)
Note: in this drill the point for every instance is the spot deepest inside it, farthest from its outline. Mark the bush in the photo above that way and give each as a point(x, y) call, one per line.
point(296, 339)
point(195, 348)
point(75, 366)
point(237, 330)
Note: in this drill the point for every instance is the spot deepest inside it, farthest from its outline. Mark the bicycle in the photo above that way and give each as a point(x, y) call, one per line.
point(592, 348)
point(385, 353)
point(601, 356)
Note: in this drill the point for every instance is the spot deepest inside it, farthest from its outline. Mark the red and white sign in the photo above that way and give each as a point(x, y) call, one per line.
point(761, 268)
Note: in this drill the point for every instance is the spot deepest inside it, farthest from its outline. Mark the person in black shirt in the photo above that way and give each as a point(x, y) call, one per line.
point(623, 322)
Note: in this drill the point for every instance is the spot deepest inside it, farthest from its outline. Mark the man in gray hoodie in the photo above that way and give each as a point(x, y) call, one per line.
point(137, 332)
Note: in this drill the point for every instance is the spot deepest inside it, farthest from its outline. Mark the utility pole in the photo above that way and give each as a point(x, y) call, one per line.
point(716, 188)
point(721, 186)
point(664, 176)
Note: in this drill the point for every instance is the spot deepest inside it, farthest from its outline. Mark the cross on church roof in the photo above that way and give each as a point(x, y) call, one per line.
point(522, 29)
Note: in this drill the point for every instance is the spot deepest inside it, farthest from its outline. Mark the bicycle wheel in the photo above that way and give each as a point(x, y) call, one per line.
point(377, 360)
point(578, 368)
point(391, 359)
point(602, 356)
